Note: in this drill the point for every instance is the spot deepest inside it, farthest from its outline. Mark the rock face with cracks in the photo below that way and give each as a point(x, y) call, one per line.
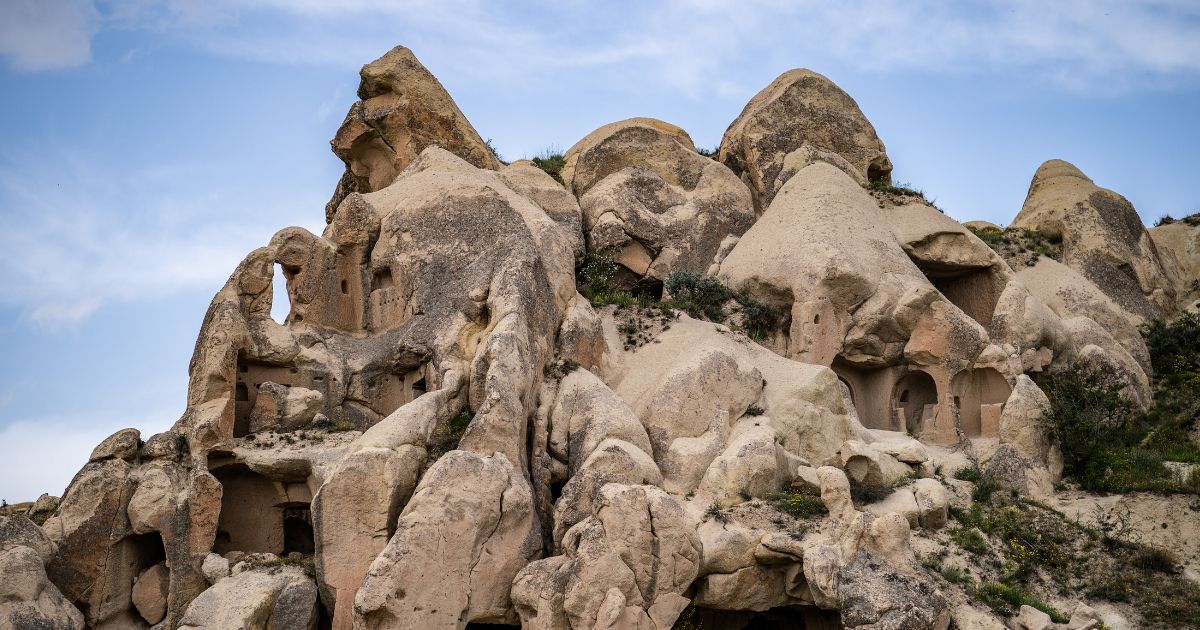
point(445, 432)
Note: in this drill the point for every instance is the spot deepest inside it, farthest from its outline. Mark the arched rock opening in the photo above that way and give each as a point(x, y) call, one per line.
point(869, 390)
point(979, 396)
point(914, 400)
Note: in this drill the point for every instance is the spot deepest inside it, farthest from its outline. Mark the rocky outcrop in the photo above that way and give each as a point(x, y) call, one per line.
point(799, 110)
point(648, 196)
point(445, 432)
point(402, 110)
point(1102, 238)
point(1178, 245)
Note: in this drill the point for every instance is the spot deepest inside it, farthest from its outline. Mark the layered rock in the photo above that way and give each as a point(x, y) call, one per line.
point(800, 111)
point(1102, 238)
point(648, 196)
point(402, 110)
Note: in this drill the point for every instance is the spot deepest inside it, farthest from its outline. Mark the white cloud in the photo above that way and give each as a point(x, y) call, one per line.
point(40, 35)
point(43, 454)
point(87, 236)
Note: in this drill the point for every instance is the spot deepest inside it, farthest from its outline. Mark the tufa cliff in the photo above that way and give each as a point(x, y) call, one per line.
point(651, 389)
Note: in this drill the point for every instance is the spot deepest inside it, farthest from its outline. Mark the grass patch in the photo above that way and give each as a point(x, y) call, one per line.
point(1007, 600)
point(970, 539)
point(265, 561)
point(552, 161)
point(1020, 247)
point(797, 504)
point(331, 426)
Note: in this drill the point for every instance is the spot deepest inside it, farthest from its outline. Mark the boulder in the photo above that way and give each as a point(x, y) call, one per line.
point(901, 501)
point(1178, 245)
point(867, 466)
point(649, 197)
point(1030, 618)
point(215, 568)
point(1021, 421)
point(282, 408)
point(28, 599)
point(150, 593)
point(402, 110)
point(640, 542)
point(585, 413)
point(933, 504)
point(123, 444)
point(16, 530)
point(873, 594)
point(798, 108)
point(420, 579)
point(612, 461)
point(1102, 238)
point(272, 598)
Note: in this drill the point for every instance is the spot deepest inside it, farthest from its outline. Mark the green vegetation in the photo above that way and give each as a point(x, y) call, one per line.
point(755, 410)
point(899, 189)
point(495, 153)
point(970, 539)
point(797, 504)
point(985, 484)
point(701, 296)
point(1166, 219)
point(265, 561)
point(446, 438)
point(1019, 246)
point(552, 161)
point(1007, 600)
point(1107, 445)
point(333, 427)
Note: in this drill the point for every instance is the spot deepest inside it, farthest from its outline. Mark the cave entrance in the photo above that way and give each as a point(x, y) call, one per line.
point(391, 390)
point(914, 400)
point(252, 512)
point(251, 374)
point(980, 396)
point(298, 529)
point(866, 392)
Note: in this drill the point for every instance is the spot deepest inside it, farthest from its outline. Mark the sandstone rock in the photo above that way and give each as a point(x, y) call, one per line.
point(932, 503)
point(585, 413)
point(402, 110)
point(901, 501)
point(18, 531)
point(421, 580)
point(283, 408)
point(645, 191)
point(1178, 245)
point(121, 445)
point(27, 597)
point(612, 461)
point(150, 593)
point(260, 599)
point(215, 568)
point(835, 493)
point(640, 541)
point(1021, 422)
point(867, 466)
point(800, 107)
point(1084, 617)
point(1102, 237)
point(748, 467)
point(1030, 618)
point(874, 595)
point(164, 445)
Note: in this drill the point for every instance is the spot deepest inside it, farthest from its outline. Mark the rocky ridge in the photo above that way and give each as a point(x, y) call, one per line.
point(445, 432)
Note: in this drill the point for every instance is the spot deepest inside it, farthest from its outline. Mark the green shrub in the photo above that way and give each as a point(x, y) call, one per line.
point(970, 539)
point(551, 161)
point(495, 153)
point(798, 504)
point(758, 318)
point(1086, 412)
point(1007, 600)
point(697, 293)
point(969, 473)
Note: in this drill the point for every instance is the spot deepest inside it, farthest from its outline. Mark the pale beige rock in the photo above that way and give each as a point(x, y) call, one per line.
point(283, 408)
point(612, 461)
point(402, 110)
point(835, 493)
point(646, 193)
point(901, 501)
point(866, 465)
point(1102, 237)
point(252, 600)
point(748, 467)
point(585, 413)
point(1178, 245)
point(1030, 618)
point(215, 568)
point(123, 444)
point(933, 504)
point(27, 597)
point(16, 530)
point(640, 541)
point(1021, 422)
point(484, 506)
point(800, 107)
point(150, 593)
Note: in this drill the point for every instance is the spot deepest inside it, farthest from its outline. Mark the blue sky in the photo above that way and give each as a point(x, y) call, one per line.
point(147, 145)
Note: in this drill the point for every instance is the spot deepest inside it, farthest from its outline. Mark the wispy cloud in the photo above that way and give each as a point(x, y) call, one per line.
point(90, 235)
point(38, 35)
point(680, 43)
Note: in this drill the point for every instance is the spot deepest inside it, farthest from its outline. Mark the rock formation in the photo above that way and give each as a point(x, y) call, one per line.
point(445, 432)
